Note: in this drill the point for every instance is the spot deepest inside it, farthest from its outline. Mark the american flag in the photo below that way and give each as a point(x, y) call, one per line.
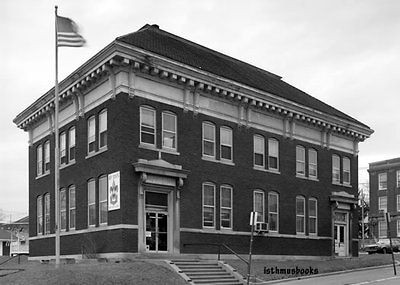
point(67, 33)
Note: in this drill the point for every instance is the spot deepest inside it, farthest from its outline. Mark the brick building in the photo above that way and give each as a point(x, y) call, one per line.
point(384, 193)
point(165, 144)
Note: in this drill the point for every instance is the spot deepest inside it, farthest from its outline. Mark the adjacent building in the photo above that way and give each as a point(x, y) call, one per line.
point(384, 185)
point(166, 146)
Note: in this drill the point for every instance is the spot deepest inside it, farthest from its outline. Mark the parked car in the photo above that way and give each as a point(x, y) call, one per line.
point(383, 246)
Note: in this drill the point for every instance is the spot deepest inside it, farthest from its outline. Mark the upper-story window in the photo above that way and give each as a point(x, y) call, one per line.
point(226, 142)
point(346, 170)
point(273, 154)
point(91, 124)
point(312, 216)
point(103, 200)
point(300, 161)
point(382, 229)
point(72, 207)
point(39, 215)
point(259, 151)
point(63, 209)
point(47, 213)
point(312, 163)
point(47, 156)
point(226, 207)
point(300, 215)
point(382, 181)
point(103, 128)
point(71, 144)
point(273, 212)
point(398, 204)
point(169, 133)
point(91, 188)
point(39, 160)
point(335, 168)
point(63, 148)
point(208, 139)
point(382, 203)
point(147, 125)
point(398, 178)
point(208, 205)
point(259, 205)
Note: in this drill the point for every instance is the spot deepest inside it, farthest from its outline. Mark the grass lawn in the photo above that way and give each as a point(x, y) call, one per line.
point(266, 269)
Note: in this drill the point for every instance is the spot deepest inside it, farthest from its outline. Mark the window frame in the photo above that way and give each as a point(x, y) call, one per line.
point(271, 213)
point(213, 207)
point(63, 209)
point(380, 223)
point(398, 228)
point(270, 154)
point(39, 160)
point(91, 134)
point(46, 214)
point(63, 148)
point(103, 129)
point(71, 207)
point(90, 203)
point(46, 151)
point(72, 144)
point(154, 127)
point(382, 199)
point(336, 169)
point(39, 215)
point(299, 161)
point(104, 201)
point(203, 139)
point(174, 132)
point(346, 169)
point(221, 144)
point(262, 148)
point(380, 182)
point(230, 208)
point(398, 178)
point(312, 217)
point(262, 220)
point(302, 216)
point(312, 165)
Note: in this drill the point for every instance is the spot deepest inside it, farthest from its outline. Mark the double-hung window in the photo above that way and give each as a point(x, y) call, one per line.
point(335, 168)
point(103, 200)
point(169, 133)
point(71, 144)
point(398, 203)
point(300, 215)
point(226, 207)
point(47, 156)
point(63, 210)
point(226, 143)
point(39, 160)
point(91, 124)
point(47, 213)
point(63, 148)
point(91, 203)
point(147, 125)
point(208, 139)
point(346, 170)
point(208, 205)
point(312, 216)
point(273, 212)
point(382, 181)
point(39, 215)
point(312, 163)
point(72, 207)
point(382, 203)
point(273, 154)
point(259, 151)
point(300, 161)
point(103, 129)
point(258, 206)
point(398, 178)
point(382, 229)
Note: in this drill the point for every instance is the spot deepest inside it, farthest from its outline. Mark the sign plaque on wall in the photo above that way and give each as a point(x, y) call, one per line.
point(114, 191)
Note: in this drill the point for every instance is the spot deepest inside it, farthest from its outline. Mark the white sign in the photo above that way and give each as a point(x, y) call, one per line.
point(114, 191)
point(253, 216)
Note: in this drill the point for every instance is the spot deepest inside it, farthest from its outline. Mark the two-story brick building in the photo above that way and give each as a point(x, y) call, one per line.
point(165, 144)
point(384, 193)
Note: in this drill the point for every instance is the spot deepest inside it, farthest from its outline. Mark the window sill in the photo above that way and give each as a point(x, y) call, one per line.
point(266, 170)
point(342, 184)
point(43, 175)
point(163, 150)
point(218, 161)
point(100, 151)
point(66, 165)
point(307, 178)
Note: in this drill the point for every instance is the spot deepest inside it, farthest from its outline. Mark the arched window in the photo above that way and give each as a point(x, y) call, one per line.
point(169, 131)
point(208, 192)
point(208, 139)
point(103, 200)
point(300, 215)
point(147, 125)
point(259, 205)
point(300, 161)
point(91, 188)
point(103, 129)
point(273, 212)
point(72, 207)
point(273, 154)
point(312, 216)
point(226, 207)
point(335, 168)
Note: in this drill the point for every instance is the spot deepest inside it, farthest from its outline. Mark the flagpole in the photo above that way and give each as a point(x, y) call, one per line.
point(56, 153)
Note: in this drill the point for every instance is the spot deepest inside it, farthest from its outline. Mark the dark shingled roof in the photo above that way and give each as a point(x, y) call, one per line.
point(155, 40)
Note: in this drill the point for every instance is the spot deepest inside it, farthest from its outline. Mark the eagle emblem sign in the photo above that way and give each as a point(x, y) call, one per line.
point(113, 191)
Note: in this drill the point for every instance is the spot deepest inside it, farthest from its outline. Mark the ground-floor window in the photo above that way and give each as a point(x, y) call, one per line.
point(300, 215)
point(208, 205)
point(273, 212)
point(382, 228)
point(226, 207)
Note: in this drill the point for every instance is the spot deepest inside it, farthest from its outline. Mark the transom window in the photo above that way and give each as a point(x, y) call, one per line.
point(103, 199)
point(169, 137)
point(258, 206)
point(273, 212)
point(300, 161)
point(382, 181)
point(208, 139)
point(91, 203)
point(300, 215)
point(226, 207)
point(312, 216)
point(335, 169)
point(273, 154)
point(312, 163)
point(226, 143)
point(147, 125)
point(208, 205)
point(259, 150)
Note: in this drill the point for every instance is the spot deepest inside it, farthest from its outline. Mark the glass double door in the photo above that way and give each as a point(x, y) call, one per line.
point(156, 231)
point(340, 240)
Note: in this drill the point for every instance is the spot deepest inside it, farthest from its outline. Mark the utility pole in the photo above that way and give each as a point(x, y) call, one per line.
point(362, 219)
point(252, 221)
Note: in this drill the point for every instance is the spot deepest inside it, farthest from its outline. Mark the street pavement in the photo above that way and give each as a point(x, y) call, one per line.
point(375, 276)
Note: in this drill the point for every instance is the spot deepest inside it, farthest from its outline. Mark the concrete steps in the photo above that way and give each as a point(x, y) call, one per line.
point(206, 272)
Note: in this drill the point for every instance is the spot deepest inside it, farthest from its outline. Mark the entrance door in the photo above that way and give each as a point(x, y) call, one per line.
point(340, 240)
point(156, 231)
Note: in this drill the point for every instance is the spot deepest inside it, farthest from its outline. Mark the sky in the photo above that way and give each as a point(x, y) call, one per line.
point(343, 52)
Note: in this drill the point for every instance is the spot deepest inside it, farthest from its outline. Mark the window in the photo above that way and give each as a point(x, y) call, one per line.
point(398, 228)
point(47, 156)
point(91, 203)
point(312, 216)
point(208, 205)
point(312, 163)
point(398, 203)
point(300, 161)
point(103, 199)
point(273, 154)
point(382, 203)
point(71, 144)
point(208, 139)
point(382, 228)
point(398, 178)
point(335, 169)
point(72, 207)
point(47, 213)
point(300, 215)
point(273, 212)
point(259, 153)
point(102, 129)
point(226, 207)
point(39, 160)
point(169, 137)
point(346, 170)
point(91, 134)
point(382, 181)
point(39, 214)
point(258, 206)
point(63, 148)
point(226, 143)
point(63, 210)
point(147, 125)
